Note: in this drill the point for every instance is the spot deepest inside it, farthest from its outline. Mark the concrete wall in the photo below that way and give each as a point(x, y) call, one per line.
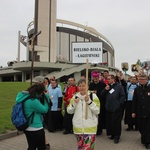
point(45, 21)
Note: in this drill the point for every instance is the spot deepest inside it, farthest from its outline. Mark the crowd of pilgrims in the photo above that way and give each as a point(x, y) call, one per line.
point(120, 99)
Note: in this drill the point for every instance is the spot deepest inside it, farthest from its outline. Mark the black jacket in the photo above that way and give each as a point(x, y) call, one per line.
point(115, 97)
point(98, 88)
point(141, 101)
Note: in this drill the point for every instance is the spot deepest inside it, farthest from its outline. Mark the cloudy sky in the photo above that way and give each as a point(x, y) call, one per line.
point(126, 23)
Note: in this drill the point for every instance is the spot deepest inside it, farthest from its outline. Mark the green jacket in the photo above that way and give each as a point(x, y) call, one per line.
point(33, 105)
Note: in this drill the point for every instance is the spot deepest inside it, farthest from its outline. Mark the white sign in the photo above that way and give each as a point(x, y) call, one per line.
point(90, 50)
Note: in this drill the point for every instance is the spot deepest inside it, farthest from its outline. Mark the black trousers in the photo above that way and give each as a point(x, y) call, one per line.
point(67, 123)
point(35, 139)
point(101, 121)
point(144, 128)
point(113, 123)
point(128, 115)
point(55, 121)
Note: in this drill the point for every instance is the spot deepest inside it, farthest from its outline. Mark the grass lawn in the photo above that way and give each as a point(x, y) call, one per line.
point(8, 92)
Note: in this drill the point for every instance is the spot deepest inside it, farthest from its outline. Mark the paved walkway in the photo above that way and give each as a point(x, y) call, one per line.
point(130, 140)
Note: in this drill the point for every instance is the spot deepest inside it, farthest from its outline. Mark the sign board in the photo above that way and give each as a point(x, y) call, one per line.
point(84, 50)
point(124, 66)
point(135, 68)
point(146, 65)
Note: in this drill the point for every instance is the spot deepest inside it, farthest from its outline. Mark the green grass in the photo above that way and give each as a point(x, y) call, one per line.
point(8, 92)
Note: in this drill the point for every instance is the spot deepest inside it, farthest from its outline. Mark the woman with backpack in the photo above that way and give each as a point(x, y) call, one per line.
point(34, 132)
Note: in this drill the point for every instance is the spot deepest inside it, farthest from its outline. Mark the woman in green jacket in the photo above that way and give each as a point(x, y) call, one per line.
point(34, 133)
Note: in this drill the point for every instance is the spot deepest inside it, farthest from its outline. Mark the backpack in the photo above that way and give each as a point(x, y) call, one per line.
point(18, 116)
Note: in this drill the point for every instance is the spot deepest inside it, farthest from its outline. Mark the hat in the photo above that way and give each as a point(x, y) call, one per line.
point(95, 74)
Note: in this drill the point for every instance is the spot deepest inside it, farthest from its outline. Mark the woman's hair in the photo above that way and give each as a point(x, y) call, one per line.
point(35, 89)
point(47, 80)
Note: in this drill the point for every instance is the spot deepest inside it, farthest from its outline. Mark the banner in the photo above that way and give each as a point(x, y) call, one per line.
point(135, 68)
point(91, 50)
point(124, 66)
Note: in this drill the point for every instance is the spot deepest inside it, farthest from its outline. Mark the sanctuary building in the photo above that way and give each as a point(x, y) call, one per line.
point(60, 49)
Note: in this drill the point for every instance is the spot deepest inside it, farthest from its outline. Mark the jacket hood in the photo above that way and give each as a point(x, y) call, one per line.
point(21, 96)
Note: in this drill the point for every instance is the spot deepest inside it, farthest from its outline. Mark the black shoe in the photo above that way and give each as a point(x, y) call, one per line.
point(129, 129)
point(98, 133)
point(136, 129)
point(47, 147)
point(67, 132)
point(142, 142)
point(112, 137)
point(147, 146)
point(51, 130)
point(116, 141)
point(60, 129)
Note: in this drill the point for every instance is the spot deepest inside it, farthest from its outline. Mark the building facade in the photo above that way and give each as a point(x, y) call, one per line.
point(52, 53)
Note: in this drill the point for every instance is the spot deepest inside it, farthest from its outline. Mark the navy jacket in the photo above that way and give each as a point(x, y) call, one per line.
point(115, 97)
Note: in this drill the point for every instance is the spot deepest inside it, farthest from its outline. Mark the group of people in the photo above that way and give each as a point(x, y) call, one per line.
point(112, 97)
point(88, 108)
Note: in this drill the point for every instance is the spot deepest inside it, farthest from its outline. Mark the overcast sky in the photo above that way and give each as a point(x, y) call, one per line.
point(126, 23)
